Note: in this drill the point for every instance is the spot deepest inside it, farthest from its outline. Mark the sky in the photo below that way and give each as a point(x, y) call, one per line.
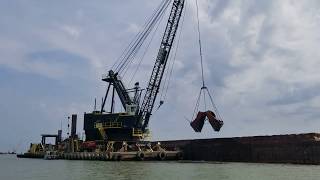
point(261, 64)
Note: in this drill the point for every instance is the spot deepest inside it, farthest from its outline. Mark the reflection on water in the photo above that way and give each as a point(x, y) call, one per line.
point(37, 169)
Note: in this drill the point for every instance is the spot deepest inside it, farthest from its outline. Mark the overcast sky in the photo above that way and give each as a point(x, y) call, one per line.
point(261, 63)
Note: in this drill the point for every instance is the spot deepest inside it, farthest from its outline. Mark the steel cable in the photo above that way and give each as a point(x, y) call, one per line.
point(129, 56)
point(136, 38)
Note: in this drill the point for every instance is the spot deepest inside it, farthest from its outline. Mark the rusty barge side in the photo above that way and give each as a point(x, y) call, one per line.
point(291, 148)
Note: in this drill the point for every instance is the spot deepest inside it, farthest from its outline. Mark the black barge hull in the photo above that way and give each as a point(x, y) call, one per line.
point(292, 148)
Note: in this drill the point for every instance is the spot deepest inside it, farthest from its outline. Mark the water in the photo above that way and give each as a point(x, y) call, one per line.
point(12, 168)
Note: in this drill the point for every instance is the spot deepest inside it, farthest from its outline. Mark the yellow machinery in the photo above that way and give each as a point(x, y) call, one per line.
point(36, 148)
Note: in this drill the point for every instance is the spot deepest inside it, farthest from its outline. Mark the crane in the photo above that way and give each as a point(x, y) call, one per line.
point(161, 61)
point(133, 123)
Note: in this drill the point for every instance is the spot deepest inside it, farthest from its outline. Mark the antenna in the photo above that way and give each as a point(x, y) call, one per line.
point(68, 125)
point(101, 104)
point(95, 104)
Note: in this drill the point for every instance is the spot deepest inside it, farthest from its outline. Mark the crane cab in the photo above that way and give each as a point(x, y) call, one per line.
point(131, 109)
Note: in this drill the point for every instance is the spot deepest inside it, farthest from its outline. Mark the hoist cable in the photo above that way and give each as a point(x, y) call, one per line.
point(131, 53)
point(203, 88)
point(196, 108)
point(138, 37)
point(204, 100)
point(214, 106)
point(147, 47)
point(121, 57)
point(200, 48)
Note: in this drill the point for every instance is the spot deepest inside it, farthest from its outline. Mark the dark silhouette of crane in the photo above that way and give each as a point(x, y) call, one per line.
point(132, 125)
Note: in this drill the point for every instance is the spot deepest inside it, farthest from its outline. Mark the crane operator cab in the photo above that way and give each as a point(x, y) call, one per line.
point(131, 109)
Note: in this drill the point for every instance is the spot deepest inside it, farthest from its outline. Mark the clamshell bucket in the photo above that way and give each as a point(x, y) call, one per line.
point(215, 123)
point(198, 123)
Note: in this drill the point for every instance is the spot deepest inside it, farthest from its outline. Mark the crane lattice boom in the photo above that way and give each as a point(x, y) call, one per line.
point(161, 61)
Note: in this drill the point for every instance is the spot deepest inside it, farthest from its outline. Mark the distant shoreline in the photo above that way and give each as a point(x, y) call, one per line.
point(3, 153)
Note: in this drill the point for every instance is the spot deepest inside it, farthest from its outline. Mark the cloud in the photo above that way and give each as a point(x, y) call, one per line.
point(71, 30)
point(261, 63)
point(274, 53)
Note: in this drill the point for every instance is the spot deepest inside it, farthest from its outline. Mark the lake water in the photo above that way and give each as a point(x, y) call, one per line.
point(12, 168)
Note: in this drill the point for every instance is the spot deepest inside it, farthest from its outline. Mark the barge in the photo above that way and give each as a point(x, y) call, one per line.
point(290, 148)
